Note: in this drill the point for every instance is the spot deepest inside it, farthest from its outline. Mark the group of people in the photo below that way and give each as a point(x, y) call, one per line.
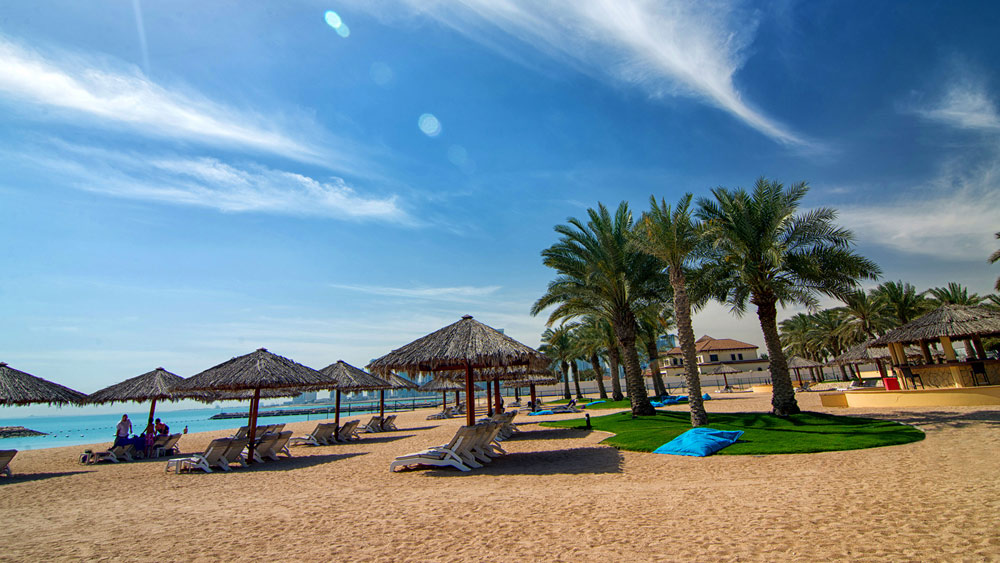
point(143, 442)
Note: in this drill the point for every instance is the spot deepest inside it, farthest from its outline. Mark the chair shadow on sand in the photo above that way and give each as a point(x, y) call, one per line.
point(573, 461)
point(381, 438)
point(293, 463)
point(26, 477)
point(543, 433)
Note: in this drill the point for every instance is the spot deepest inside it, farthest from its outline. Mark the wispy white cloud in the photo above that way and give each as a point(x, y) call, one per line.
point(209, 183)
point(965, 105)
point(954, 215)
point(78, 88)
point(666, 48)
point(460, 293)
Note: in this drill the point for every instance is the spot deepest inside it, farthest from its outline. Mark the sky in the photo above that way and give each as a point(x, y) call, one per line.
point(184, 182)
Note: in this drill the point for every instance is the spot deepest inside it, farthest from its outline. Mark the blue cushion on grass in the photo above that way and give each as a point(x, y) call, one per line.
point(699, 442)
point(594, 403)
point(656, 403)
point(539, 412)
point(706, 397)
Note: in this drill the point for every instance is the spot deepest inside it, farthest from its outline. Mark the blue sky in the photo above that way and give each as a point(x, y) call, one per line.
point(185, 182)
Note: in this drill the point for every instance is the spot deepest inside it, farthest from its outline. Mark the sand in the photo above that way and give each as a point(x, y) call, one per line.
point(558, 496)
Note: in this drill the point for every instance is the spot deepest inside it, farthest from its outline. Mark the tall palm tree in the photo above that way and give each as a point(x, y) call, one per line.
point(902, 300)
point(797, 335)
point(765, 253)
point(994, 258)
point(558, 345)
point(673, 236)
point(954, 294)
point(600, 273)
point(865, 317)
point(654, 321)
point(591, 342)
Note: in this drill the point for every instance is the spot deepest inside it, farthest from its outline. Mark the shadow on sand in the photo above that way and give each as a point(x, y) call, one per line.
point(573, 461)
point(293, 463)
point(26, 477)
point(380, 438)
point(543, 433)
point(989, 417)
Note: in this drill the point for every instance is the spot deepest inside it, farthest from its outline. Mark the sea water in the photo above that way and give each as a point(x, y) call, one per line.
point(73, 430)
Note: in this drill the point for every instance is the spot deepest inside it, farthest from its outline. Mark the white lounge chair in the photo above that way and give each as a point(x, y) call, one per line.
point(263, 447)
point(348, 431)
point(5, 457)
point(389, 424)
point(204, 461)
point(446, 413)
point(272, 445)
point(114, 454)
point(322, 435)
point(166, 445)
point(447, 455)
point(373, 425)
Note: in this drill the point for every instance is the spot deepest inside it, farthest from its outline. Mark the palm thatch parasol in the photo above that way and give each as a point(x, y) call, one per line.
point(156, 385)
point(531, 380)
point(443, 385)
point(257, 370)
point(20, 388)
point(348, 378)
point(798, 362)
point(464, 345)
point(724, 370)
point(951, 321)
point(398, 382)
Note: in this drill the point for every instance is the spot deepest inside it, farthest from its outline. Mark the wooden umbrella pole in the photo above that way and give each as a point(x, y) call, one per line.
point(444, 400)
point(798, 376)
point(498, 406)
point(336, 417)
point(253, 423)
point(458, 398)
point(381, 403)
point(470, 398)
point(152, 409)
point(534, 401)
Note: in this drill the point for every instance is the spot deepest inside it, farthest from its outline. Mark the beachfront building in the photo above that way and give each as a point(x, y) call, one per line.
point(712, 354)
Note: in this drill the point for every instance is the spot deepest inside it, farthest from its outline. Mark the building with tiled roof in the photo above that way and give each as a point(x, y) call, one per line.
point(712, 353)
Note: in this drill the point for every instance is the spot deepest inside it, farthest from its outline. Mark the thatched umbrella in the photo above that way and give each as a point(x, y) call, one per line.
point(19, 388)
point(798, 362)
point(156, 385)
point(533, 379)
point(465, 345)
point(867, 353)
point(397, 382)
point(348, 378)
point(257, 370)
point(724, 370)
point(443, 385)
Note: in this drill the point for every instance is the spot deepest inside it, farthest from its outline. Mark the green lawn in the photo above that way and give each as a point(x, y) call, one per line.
point(806, 432)
point(623, 404)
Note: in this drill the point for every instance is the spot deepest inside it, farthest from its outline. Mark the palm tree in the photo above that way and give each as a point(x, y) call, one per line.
point(600, 274)
point(675, 238)
point(994, 258)
point(902, 300)
point(557, 344)
point(764, 253)
point(954, 294)
point(653, 321)
point(591, 341)
point(797, 335)
point(865, 317)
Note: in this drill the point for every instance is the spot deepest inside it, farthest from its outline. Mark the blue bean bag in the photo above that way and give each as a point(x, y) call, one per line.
point(706, 397)
point(536, 413)
point(594, 403)
point(656, 403)
point(699, 442)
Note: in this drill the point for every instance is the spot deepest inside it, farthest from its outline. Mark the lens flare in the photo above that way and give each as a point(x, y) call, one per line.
point(429, 125)
point(333, 19)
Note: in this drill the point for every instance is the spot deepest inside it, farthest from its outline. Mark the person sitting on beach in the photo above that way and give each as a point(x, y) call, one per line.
point(123, 430)
point(571, 403)
point(161, 429)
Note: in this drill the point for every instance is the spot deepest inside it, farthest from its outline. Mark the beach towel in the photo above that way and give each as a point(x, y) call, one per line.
point(540, 412)
point(699, 442)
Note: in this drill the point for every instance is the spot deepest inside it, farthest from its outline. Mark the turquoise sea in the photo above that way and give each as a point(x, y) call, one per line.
point(70, 430)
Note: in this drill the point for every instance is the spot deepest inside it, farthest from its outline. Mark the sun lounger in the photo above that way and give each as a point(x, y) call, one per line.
point(263, 447)
point(243, 432)
point(446, 413)
point(5, 457)
point(166, 445)
point(447, 455)
point(115, 454)
point(485, 447)
point(271, 445)
point(204, 461)
point(389, 424)
point(348, 431)
point(373, 425)
point(322, 435)
point(233, 454)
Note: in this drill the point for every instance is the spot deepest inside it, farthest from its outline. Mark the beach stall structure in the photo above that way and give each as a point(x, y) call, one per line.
point(20, 388)
point(945, 325)
point(349, 379)
point(256, 371)
point(463, 347)
point(867, 353)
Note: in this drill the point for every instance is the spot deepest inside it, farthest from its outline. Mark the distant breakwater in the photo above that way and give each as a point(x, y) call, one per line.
point(18, 432)
point(346, 409)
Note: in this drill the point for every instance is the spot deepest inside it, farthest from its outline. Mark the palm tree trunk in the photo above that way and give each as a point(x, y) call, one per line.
point(576, 378)
point(595, 361)
point(565, 372)
point(654, 368)
point(614, 357)
point(783, 401)
point(625, 331)
point(685, 333)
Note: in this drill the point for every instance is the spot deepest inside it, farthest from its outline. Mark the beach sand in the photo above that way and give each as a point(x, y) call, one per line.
point(558, 496)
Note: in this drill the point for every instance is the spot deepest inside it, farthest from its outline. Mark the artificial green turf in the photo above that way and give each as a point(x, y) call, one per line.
point(764, 434)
